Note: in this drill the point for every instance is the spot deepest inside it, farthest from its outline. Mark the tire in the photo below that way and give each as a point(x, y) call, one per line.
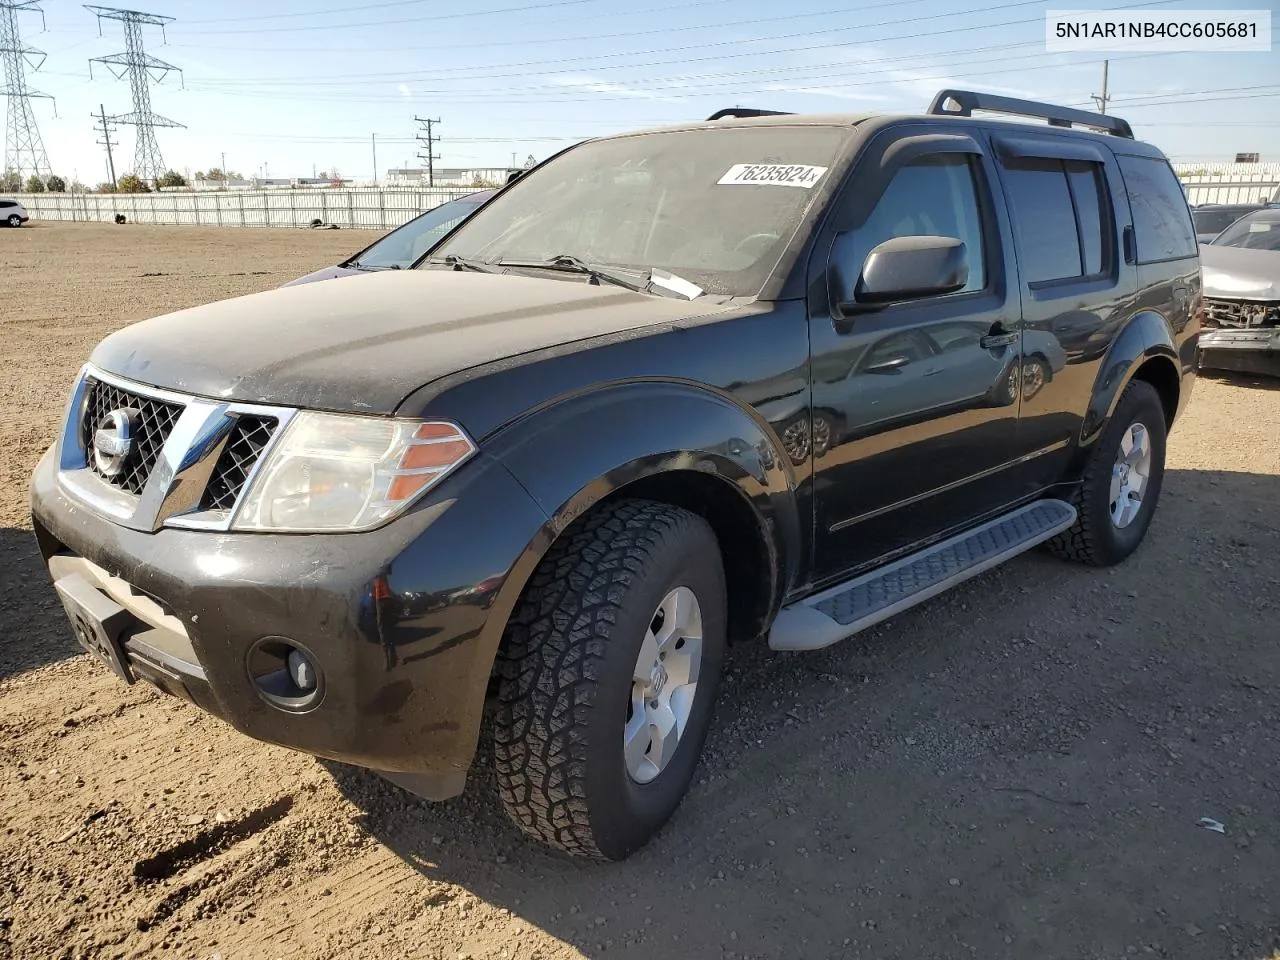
point(1096, 538)
point(566, 686)
point(15, 220)
point(1035, 374)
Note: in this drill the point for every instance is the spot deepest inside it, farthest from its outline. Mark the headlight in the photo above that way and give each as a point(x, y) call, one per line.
point(332, 472)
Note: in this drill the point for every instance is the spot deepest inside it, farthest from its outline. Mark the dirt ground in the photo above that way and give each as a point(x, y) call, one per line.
point(1016, 769)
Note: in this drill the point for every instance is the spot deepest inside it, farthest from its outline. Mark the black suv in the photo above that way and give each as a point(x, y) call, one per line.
point(763, 377)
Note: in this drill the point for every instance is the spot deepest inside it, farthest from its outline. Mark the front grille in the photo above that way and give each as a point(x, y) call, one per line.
point(152, 422)
point(1240, 313)
point(248, 438)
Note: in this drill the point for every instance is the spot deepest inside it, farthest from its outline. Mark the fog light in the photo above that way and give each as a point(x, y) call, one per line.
point(285, 674)
point(300, 669)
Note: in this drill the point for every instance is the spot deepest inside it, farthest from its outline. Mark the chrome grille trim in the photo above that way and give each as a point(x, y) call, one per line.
point(174, 492)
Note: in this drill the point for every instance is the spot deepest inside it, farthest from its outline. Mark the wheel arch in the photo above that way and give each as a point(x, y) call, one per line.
point(1143, 350)
point(674, 443)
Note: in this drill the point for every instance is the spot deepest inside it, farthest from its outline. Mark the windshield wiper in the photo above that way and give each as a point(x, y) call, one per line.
point(637, 281)
point(465, 263)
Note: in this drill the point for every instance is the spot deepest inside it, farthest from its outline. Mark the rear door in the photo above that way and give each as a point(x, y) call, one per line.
point(918, 397)
point(1065, 201)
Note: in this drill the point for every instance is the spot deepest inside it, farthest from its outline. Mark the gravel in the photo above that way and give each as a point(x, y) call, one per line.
point(1017, 768)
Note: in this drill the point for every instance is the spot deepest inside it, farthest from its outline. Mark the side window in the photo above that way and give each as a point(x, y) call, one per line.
point(1162, 225)
point(6, 204)
point(932, 197)
point(1061, 218)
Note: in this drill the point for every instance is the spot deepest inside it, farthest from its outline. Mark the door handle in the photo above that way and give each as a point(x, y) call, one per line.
point(993, 341)
point(892, 365)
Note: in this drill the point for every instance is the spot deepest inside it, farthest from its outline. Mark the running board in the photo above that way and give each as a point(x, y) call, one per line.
point(854, 605)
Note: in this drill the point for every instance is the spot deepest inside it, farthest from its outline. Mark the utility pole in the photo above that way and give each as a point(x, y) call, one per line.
point(1101, 100)
point(104, 124)
point(223, 168)
point(427, 137)
point(142, 70)
point(374, 139)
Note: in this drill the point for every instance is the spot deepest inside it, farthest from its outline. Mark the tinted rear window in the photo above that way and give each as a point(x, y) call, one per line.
point(1162, 225)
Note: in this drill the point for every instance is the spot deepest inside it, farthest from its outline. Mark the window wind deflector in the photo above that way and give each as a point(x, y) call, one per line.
point(962, 103)
point(1048, 148)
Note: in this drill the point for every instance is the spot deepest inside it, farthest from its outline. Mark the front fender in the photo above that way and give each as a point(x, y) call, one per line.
point(571, 455)
point(1145, 336)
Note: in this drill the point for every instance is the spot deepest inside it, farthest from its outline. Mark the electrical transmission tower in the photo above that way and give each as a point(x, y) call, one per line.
point(23, 148)
point(427, 137)
point(143, 69)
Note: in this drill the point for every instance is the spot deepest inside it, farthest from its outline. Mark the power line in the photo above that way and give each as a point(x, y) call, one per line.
point(142, 69)
point(23, 147)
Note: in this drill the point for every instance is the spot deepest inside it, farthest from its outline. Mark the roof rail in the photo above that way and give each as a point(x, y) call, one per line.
point(746, 112)
point(967, 101)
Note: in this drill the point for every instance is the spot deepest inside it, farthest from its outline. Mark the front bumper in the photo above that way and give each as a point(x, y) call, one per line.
point(1242, 351)
point(403, 622)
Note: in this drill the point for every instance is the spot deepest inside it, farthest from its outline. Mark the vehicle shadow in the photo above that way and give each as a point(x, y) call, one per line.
point(1253, 381)
point(1015, 768)
point(33, 627)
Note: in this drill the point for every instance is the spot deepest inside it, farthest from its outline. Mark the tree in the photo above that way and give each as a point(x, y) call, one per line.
point(171, 178)
point(77, 187)
point(57, 185)
point(131, 184)
point(11, 182)
point(106, 188)
point(35, 184)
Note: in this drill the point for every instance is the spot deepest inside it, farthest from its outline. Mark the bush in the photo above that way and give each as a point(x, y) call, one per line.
point(56, 184)
point(35, 184)
point(171, 178)
point(11, 182)
point(131, 184)
point(105, 188)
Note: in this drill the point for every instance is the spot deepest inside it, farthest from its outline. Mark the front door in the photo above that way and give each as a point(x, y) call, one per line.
point(917, 402)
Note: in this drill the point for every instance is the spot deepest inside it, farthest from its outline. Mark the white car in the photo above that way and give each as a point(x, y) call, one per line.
point(13, 213)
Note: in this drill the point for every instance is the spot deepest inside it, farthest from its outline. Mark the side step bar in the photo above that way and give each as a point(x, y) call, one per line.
point(856, 604)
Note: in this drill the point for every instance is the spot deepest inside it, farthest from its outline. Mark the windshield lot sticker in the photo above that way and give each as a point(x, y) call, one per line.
point(774, 174)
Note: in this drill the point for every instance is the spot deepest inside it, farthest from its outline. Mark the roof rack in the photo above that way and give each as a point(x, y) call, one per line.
point(967, 101)
point(737, 112)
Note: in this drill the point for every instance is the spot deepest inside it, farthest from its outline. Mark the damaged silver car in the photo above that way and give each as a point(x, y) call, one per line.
point(1241, 270)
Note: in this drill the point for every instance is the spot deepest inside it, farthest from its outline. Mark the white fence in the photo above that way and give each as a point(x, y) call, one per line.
point(1229, 182)
point(374, 208)
point(383, 208)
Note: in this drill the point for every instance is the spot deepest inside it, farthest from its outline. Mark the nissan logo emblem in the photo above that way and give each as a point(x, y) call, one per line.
point(113, 442)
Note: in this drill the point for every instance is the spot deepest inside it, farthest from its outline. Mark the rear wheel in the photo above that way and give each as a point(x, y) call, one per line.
point(608, 677)
point(1122, 482)
point(15, 220)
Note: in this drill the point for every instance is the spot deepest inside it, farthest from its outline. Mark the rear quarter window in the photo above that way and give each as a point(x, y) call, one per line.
point(1162, 225)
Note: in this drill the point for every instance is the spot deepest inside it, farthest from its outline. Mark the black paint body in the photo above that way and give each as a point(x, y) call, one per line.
point(711, 403)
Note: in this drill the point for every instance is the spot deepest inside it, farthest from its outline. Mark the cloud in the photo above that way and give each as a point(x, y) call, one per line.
point(404, 90)
point(837, 92)
point(589, 84)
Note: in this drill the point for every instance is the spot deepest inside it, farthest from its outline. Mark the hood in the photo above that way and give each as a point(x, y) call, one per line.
point(363, 345)
point(1234, 273)
point(328, 273)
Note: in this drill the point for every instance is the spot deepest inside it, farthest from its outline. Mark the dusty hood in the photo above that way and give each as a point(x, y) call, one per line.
point(1235, 273)
point(327, 273)
point(364, 344)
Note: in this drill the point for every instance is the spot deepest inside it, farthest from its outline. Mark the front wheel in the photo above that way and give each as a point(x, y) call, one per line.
point(15, 220)
point(1122, 481)
point(608, 677)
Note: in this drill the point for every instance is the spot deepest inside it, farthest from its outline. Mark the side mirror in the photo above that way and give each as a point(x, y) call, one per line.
point(903, 268)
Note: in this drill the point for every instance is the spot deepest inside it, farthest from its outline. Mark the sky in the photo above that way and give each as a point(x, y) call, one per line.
point(284, 88)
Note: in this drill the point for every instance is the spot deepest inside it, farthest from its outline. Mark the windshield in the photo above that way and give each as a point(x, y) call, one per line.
point(1215, 221)
point(715, 207)
point(1257, 231)
point(404, 245)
